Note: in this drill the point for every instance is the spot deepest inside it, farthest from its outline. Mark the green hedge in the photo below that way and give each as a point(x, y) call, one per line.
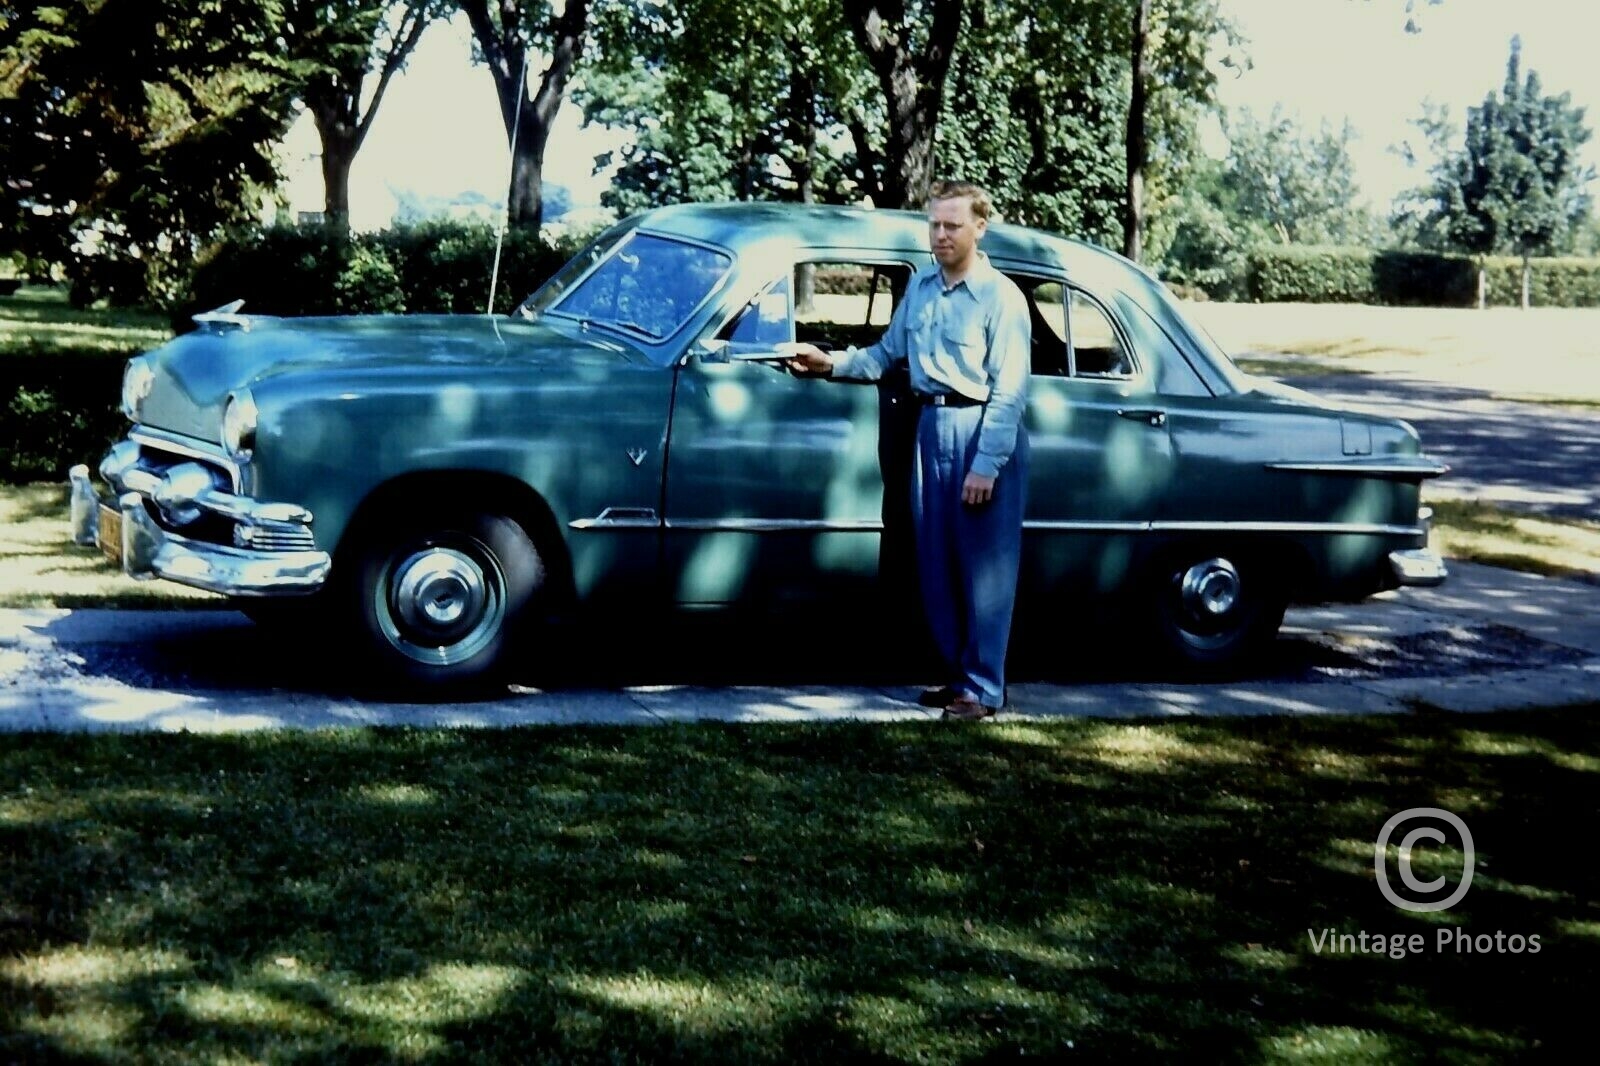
point(59, 409)
point(1321, 274)
point(429, 267)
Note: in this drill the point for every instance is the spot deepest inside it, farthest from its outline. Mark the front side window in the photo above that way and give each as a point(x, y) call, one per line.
point(830, 304)
point(648, 287)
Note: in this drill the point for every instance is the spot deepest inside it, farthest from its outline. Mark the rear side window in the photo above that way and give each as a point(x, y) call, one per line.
point(1097, 350)
point(1073, 336)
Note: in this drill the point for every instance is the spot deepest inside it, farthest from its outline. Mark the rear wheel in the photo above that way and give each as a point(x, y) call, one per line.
point(437, 602)
point(1215, 609)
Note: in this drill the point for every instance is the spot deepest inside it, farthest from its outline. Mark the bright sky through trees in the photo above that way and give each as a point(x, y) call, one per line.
point(439, 132)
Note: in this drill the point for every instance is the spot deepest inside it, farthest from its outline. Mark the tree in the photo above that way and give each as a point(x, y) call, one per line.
point(1517, 185)
point(1133, 214)
point(909, 45)
point(506, 34)
point(1296, 187)
point(726, 99)
point(343, 43)
point(1042, 109)
point(133, 130)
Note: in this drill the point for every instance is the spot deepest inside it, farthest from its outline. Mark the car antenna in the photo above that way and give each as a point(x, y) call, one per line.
point(505, 216)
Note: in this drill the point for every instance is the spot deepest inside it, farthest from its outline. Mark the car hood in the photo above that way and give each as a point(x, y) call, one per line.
point(194, 373)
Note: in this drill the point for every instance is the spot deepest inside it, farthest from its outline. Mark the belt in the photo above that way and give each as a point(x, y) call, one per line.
point(945, 399)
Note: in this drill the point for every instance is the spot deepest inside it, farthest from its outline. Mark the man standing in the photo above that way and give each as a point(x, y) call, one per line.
point(963, 329)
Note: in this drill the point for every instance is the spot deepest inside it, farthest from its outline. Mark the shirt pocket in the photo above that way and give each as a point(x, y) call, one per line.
point(965, 341)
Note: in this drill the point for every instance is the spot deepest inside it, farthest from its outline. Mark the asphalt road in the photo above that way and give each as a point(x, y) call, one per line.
point(1535, 457)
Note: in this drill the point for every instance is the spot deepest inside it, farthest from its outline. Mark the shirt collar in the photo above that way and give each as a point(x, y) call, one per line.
point(980, 280)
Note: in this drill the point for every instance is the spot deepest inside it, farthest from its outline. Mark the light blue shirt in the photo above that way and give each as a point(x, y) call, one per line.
point(974, 338)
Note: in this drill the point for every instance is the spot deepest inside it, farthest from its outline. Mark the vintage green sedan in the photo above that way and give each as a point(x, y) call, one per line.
point(630, 436)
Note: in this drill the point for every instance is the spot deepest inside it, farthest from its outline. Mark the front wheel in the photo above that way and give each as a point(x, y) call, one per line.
point(438, 602)
point(1213, 610)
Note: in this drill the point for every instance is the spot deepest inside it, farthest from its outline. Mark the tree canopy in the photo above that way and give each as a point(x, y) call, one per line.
point(138, 126)
point(1517, 184)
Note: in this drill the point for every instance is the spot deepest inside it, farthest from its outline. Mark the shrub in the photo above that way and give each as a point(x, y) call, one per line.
point(428, 267)
point(1359, 275)
point(61, 409)
point(1311, 274)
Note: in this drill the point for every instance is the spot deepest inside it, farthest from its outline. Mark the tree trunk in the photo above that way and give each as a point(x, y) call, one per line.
point(340, 142)
point(1133, 212)
point(803, 134)
point(912, 81)
point(1483, 287)
point(525, 196)
point(527, 121)
point(1527, 282)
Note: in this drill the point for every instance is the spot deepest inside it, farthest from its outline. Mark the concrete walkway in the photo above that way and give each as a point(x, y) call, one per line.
point(1488, 639)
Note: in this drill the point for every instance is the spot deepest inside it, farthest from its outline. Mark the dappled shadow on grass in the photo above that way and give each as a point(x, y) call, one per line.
point(793, 893)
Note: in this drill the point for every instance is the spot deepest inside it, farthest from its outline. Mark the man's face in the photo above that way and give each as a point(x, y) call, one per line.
point(953, 230)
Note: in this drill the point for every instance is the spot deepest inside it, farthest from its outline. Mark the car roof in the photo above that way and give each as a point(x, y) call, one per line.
point(739, 224)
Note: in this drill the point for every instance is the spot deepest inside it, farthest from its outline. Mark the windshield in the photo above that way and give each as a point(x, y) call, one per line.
point(647, 287)
point(576, 267)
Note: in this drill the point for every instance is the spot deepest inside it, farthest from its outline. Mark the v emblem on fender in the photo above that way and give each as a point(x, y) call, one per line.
point(637, 455)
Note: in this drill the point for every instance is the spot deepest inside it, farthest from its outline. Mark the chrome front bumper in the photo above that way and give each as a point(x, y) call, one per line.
point(1418, 566)
point(146, 549)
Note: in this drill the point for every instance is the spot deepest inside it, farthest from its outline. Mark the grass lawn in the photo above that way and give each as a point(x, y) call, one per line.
point(782, 893)
point(41, 567)
point(38, 321)
point(1545, 354)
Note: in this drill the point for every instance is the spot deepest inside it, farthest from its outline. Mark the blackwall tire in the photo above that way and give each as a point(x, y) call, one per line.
point(437, 603)
point(1214, 609)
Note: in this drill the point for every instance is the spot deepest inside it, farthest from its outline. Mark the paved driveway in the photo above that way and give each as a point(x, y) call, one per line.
point(1536, 457)
point(1487, 639)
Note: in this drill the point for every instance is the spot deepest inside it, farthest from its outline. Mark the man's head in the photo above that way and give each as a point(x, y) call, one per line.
point(958, 215)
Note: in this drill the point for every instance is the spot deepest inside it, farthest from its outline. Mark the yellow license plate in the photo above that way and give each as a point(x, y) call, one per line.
point(110, 536)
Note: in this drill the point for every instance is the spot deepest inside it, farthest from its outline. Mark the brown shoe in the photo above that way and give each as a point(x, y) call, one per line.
point(967, 709)
point(940, 697)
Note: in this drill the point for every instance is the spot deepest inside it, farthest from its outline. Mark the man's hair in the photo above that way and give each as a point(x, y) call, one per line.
point(982, 206)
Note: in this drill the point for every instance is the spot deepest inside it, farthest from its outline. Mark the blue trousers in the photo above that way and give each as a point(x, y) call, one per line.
point(967, 556)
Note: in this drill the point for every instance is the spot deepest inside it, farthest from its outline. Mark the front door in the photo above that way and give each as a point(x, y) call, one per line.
point(773, 489)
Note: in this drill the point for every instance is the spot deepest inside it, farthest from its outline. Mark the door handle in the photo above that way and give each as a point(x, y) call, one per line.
point(1148, 415)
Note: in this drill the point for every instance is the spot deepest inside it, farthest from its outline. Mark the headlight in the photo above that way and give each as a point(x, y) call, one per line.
point(137, 379)
point(239, 424)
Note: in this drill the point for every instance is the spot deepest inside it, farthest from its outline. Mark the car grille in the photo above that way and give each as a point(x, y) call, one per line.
point(274, 540)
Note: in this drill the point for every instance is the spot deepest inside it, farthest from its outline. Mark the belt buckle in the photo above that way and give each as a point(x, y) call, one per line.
point(939, 399)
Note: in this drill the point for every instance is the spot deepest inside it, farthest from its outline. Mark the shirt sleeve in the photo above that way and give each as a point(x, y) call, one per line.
point(872, 362)
point(1010, 354)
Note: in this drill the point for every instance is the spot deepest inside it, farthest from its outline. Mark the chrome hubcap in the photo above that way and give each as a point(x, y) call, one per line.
point(443, 605)
point(1210, 590)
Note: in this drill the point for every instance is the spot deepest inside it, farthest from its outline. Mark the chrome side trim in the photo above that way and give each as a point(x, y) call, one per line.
point(1051, 525)
point(1420, 468)
point(1361, 528)
point(188, 446)
point(776, 525)
point(619, 518)
point(1418, 567)
point(606, 521)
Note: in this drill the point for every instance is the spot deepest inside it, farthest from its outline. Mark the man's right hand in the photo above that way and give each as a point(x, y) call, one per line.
point(809, 359)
